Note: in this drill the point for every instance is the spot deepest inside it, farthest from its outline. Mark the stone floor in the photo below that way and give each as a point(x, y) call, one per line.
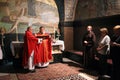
point(9, 72)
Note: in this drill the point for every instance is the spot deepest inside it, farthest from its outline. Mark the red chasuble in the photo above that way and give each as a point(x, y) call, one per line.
point(44, 50)
point(30, 44)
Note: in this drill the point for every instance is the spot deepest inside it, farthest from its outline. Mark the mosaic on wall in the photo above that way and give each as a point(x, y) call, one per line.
point(70, 6)
point(19, 14)
point(87, 9)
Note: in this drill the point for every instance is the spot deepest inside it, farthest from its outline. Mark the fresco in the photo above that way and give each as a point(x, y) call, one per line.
point(17, 15)
point(87, 9)
point(70, 6)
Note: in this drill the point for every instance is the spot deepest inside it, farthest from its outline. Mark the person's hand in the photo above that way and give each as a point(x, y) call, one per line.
point(98, 49)
point(116, 44)
point(49, 36)
point(85, 42)
point(113, 43)
point(35, 34)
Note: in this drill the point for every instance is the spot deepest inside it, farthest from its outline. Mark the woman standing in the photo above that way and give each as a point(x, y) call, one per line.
point(103, 49)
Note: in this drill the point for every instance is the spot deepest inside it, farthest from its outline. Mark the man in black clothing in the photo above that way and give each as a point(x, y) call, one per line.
point(115, 52)
point(89, 40)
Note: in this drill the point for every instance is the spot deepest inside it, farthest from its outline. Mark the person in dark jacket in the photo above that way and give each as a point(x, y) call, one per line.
point(89, 40)
point(115, 52)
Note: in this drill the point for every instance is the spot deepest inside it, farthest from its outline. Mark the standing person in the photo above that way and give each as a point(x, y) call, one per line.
point(3, 56)
point(29, 53)
point(103, 50)
point(89, 40)
point(57, 34)
point(115, 52)
point(44, 49)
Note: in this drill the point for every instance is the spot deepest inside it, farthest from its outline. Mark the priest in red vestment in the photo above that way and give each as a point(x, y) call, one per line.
point(44, 51)
point(29, 52)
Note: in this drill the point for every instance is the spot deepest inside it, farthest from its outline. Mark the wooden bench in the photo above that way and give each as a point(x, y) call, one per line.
point(78, 56)
point(74, 55)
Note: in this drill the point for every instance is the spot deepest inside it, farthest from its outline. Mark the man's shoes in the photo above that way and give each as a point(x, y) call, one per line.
point(32, 71)
point(38, 67)
point(106, 76)
point(44, 66)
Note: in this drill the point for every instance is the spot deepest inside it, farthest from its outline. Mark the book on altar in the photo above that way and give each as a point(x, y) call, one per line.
point(44, 36)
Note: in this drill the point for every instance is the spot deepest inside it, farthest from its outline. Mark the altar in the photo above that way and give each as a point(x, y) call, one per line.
point(16, 47)
point(57, 48)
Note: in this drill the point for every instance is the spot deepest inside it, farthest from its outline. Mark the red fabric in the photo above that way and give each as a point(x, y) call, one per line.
point(44, 49)
point(30, 44)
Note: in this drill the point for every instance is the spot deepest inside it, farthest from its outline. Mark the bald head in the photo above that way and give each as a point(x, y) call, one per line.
point(29, 28)
point(117, 29)
point(89, 28)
